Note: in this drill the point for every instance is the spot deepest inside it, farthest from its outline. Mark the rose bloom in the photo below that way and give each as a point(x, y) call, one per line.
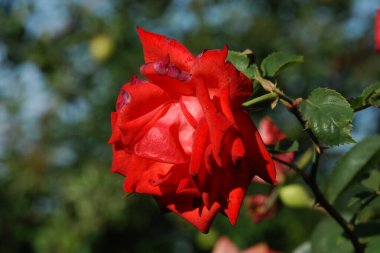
point(224, 245)
point(182, 135)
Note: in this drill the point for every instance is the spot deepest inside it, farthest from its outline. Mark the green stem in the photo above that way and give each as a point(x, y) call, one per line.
point(269, 96)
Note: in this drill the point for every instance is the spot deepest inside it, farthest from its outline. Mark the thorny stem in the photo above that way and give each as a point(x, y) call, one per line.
point(311, 179)
point(293, 167)
point(322, 201)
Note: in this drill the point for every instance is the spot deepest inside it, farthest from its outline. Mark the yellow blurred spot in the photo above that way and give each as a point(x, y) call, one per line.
point(206, 241)
point(295, 195)
point(101, 47)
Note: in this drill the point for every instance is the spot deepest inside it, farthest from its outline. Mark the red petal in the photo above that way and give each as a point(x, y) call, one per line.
point(143, 176)
point(211, 66)
point(157, 47)
point(166, 139)
point(190, 118)
point(178, 179)
point(131, 116)
point(214, 185)
point(141, 93)
point(257, 154)
point(235, 200)
point(218, 124)
point(201, 140)
point(186, 186)
point(119, 160)
point(200, 217)
point(225, 104)
point(240, 86)
point(237, 150)
point(169, 84)
point(116, 134)
point(132, 129)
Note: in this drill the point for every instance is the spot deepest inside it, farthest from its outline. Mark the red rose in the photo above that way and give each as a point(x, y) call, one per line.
point(377, 30)
point(183, 137)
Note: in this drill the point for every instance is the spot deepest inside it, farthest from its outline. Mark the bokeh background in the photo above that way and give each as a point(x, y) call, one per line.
point(62, 63)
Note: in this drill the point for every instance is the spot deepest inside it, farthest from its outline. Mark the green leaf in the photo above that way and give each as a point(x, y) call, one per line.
point(239, 59)
point(305, 247)
point(373, 245)
point(242, 60)
point(329, 116)
point(370, 96)
point(274, 63)
point(252, 71)
point(359, 159)
point(373, 181)
point(328, 237)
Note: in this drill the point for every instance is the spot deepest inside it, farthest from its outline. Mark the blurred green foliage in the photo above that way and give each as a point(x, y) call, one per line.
point(62, 64)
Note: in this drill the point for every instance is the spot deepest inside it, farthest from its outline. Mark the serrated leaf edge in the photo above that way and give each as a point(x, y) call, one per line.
point(307, 124)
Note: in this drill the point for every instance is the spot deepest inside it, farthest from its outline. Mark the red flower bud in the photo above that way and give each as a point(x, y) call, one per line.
point(259, 207)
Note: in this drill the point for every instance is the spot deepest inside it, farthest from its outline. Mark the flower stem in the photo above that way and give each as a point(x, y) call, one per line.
point(311, 179)
point(268, 96)
point(322, 201)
